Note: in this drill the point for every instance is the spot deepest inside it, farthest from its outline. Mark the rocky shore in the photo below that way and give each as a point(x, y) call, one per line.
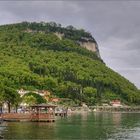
point(135, 109)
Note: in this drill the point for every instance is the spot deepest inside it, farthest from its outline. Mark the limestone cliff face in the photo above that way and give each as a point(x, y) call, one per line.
point(59, 35)
point(87, 43)
point(92, 46)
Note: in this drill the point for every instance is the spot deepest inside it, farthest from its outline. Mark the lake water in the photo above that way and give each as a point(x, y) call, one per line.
point(90, 126)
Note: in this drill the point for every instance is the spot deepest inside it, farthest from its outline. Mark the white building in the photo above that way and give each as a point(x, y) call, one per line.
point(22, 92)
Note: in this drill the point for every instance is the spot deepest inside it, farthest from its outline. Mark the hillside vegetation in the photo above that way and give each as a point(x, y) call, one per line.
point(33, 57)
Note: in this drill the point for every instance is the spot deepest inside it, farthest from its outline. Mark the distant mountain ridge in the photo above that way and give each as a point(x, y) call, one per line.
point(63, 60)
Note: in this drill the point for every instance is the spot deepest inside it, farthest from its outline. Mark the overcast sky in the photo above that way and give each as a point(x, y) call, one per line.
point(114, 25)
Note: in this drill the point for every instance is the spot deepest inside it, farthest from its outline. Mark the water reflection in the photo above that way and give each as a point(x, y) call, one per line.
point(98, 126)
point(116, 118)
point(130, 127)
point(2, 129)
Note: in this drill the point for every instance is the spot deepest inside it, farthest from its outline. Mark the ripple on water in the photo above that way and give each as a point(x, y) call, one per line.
point(127, 134)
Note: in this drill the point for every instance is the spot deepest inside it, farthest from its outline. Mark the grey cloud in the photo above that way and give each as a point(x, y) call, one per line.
point(132, 74)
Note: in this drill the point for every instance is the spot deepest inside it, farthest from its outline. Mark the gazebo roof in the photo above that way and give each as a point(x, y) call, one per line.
point(44, 105)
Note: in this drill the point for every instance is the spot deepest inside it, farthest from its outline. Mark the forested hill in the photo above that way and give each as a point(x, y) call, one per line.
point(65, 61)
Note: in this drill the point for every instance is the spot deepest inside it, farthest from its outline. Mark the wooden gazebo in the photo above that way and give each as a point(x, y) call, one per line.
point(43, 112)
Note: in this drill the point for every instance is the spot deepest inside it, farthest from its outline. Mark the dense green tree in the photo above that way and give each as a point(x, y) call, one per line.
point(10, 97)
point(37, 99)
point(90, 95)
point(33, 57)
point(1, 101)
point(29, 100)
point(16, 102)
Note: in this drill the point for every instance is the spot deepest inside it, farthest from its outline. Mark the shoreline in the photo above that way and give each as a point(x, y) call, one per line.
point(106, 109)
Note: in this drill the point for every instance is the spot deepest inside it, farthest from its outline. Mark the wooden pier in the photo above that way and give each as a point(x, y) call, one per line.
point(38, 113)
point(62, 112)
point(15, 117)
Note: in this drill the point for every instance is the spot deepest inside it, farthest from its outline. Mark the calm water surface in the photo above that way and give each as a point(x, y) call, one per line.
point(91, 126)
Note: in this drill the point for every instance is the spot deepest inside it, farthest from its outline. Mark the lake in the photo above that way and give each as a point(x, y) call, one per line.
point(88, 126)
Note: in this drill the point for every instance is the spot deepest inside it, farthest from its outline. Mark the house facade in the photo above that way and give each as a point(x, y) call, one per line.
point(116, 103)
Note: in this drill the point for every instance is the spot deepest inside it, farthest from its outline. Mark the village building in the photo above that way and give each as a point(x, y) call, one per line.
point(116, 103)
point(22, 92)
point(44, 93)
point(54, 100)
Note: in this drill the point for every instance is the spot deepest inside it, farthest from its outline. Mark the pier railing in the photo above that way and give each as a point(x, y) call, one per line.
point(42, 116)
